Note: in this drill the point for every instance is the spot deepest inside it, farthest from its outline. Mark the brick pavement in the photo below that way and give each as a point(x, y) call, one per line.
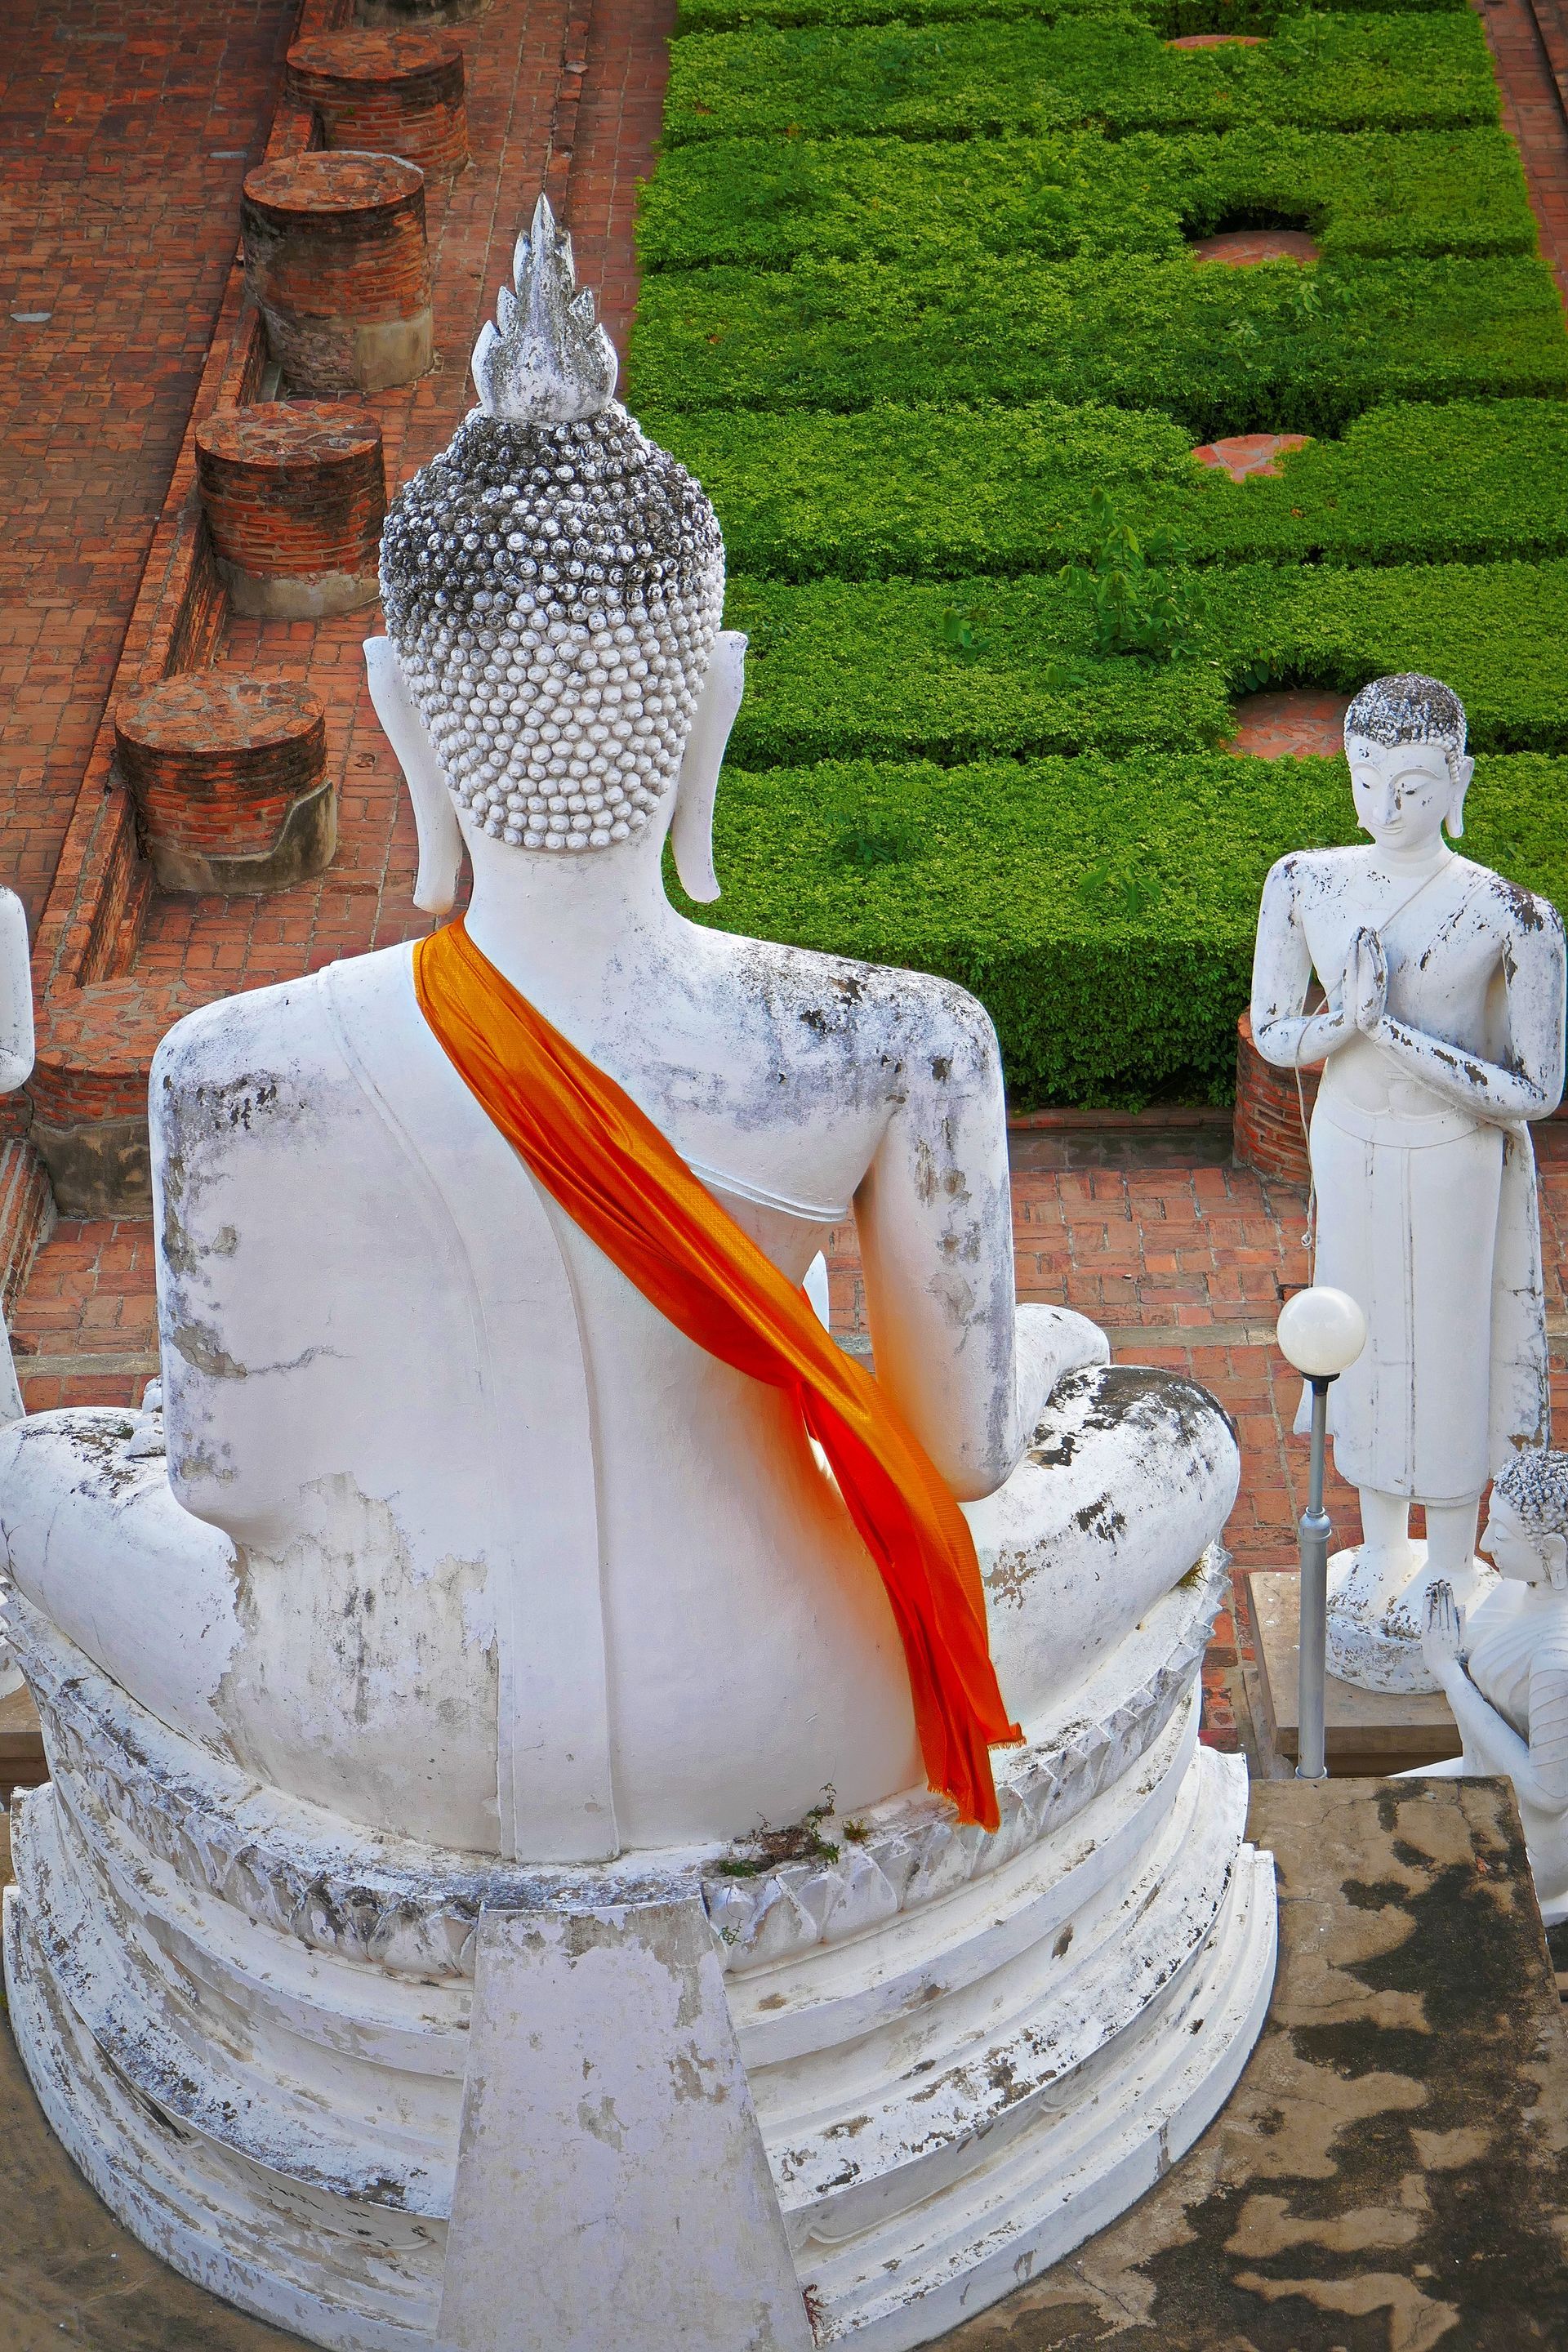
point(1243, 249)
point(1290, 722)
point(124, 130)
point(1241, 454)
point(1532, 112)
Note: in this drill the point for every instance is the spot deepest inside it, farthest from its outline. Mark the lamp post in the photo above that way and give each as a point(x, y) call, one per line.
point(1320, 1332)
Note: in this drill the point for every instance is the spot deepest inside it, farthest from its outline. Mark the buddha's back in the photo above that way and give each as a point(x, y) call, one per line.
point(520, 1567)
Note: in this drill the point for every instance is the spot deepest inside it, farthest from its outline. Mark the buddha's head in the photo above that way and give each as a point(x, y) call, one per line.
point(1405, 740)
point(554, 584)
point(1527, 1526)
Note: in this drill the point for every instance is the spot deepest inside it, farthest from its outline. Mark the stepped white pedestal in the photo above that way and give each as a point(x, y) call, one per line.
point(248, 2021)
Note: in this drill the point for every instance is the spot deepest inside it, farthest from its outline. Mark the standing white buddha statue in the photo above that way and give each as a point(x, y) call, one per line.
point(470, 1579)
point(1441, 1035)
point(1504, 1670)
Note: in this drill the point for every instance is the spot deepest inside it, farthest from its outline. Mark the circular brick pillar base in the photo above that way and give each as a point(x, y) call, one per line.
point(335, 260)
point(395, 93)
point(1267, 1132)
point(228, 777)
point(295, 495)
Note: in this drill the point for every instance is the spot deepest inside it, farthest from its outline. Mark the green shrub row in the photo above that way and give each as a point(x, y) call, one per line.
point(1172, 18)
point(940, 493)
point(980, 668)
point(766, 202)
point(1276, 348)
point(1103, 910)
point(949, 81)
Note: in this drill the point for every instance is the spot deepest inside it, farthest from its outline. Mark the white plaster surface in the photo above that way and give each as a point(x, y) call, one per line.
point(606, 2108)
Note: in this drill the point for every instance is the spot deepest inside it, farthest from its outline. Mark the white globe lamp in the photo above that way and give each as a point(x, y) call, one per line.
point(1321, 1331)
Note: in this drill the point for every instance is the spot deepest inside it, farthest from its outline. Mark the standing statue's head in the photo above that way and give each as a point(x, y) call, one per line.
point(1405, 740)
point(1527, 1524)
point(554, 584)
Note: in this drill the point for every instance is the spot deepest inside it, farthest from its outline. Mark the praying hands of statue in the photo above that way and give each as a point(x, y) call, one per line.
point(1364, 990)
point(1442, 1635)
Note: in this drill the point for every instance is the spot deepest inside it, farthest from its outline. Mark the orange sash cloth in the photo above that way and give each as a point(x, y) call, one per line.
point(615, 1176)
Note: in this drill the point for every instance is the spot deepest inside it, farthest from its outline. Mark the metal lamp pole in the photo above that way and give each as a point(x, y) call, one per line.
point(1313, 1651)
point(1321, 1332)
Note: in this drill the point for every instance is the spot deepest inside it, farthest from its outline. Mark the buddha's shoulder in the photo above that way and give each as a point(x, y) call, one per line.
point(268, 1044)
point(1303, 872)
point(1522, 913)
point(882, 1008)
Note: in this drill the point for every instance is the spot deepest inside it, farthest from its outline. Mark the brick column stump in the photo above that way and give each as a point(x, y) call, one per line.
point(1267, 1131)
point(228, 775)
point(335, 260)
point(391, 93)
point(295, 497)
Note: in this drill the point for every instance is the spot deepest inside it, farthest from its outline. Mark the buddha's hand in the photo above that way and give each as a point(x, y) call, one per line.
point(1443, 1635)
point(1366, 981)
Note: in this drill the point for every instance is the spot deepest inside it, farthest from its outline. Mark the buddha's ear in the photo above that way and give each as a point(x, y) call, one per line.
point(1554, 1552)
point(691, 833)
point(435, 818)
point(1460, 771)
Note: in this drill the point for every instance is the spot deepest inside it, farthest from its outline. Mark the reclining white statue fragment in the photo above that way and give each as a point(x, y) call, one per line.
point(1505, 1670)
point(1441, 1037)
point(471, 1583)
point(16, 1069)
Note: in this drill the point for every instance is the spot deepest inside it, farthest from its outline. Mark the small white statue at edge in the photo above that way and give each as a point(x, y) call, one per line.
point(1508, 1685)
point(1442, 1035)
point(15, 1064)
point(16, 1068)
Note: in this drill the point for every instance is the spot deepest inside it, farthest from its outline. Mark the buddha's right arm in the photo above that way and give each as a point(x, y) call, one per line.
point(1549, 1720)
point(1492, 1743)
point(935, 1221)
point(1281, 973)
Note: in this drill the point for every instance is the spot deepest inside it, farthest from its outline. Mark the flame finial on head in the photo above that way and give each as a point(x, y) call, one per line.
point(546, 361)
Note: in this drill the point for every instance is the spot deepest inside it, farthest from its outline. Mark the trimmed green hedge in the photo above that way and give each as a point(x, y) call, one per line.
point(1276, 348)
point(941, 492)
point(950, 81)
point(1102, 910)
point(951, 228)
point(1169, 16)
point(982, 667)
point(764, 203)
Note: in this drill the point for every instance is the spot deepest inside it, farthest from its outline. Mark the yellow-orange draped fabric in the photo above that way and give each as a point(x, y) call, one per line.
point(615, 1176)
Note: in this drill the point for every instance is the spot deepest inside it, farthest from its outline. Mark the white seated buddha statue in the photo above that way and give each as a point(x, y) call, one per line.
point(449, 1570)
